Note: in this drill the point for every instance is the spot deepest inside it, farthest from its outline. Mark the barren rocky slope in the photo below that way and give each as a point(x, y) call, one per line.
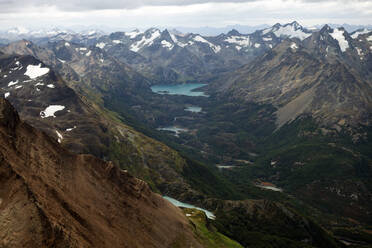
point(50, 197)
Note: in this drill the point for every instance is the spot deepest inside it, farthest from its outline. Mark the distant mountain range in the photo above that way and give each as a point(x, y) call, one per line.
point(22, 32)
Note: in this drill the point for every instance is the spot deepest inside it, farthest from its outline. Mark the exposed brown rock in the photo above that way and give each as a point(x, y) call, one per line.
point(50, 197)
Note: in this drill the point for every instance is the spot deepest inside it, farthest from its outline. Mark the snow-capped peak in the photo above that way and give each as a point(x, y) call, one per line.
point(147, 39)
point(291, 30)
point(233, 32)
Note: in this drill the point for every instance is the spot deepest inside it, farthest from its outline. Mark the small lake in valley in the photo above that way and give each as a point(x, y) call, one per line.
point(179, 89)
point(194, 109)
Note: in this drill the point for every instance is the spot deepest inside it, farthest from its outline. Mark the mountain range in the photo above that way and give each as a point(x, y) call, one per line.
point(281, 140)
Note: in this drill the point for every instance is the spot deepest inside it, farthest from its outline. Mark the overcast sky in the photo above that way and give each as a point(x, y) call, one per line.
point(191, 13)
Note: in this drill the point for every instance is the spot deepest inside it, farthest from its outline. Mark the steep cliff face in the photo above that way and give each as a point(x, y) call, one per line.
point(51, 197)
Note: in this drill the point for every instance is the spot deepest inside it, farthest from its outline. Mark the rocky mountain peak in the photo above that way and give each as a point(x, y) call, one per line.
point(296, 25)
point(165, 35)
point(276, 25)
point(233, 32)
point(326, 29)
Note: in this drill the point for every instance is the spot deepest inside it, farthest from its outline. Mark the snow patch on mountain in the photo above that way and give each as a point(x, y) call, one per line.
point(173, 37)
point(11, 83)
point(242, 41)
point(167, 44)
point(101, 45)
point(35, 71)
point(291, 32)
point(60, 137)
point(360, 53)
point(175, 40)
point(61, 60)
point(214, 47)
point(51, 110)
point(338, 35)
point(145, 41)
point(294, 46)
point(70, 129)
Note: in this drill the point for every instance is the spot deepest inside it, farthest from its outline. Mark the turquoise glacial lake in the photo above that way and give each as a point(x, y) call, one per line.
point(178, 89)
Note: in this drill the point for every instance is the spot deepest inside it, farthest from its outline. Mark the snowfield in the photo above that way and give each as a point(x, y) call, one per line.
point(291, 32)
point(167, 44)
point(51, 110)
point(135, 47)
point(35, 71)
point(215, 48)
point(338, 35)
point(241, 41)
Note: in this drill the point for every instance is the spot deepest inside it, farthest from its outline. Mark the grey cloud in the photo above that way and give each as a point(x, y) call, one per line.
point(83, 5)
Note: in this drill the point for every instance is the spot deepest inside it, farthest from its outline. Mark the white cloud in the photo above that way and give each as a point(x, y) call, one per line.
point(190, 13)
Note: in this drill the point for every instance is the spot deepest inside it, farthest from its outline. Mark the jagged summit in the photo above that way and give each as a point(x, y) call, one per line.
point(289, 30)
point(233, 32)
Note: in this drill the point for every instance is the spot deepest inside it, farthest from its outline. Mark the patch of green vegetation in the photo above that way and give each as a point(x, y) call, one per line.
point(208, 181)
point(207, 233)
